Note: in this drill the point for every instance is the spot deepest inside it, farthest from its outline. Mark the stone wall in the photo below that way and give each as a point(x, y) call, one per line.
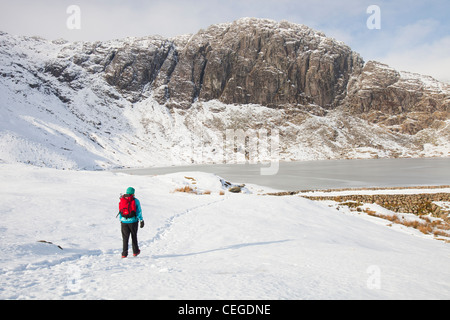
point(401, 203)
point(420, 204)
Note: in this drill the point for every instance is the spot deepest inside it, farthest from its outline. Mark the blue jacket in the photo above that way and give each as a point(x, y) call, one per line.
point(138, 216)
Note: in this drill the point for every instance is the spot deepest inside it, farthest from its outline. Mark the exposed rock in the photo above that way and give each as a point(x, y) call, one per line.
point(271, 64)
point(262, 62)
point(404, 102)
point(235, 189)
point(134, 67)
point(420, 204)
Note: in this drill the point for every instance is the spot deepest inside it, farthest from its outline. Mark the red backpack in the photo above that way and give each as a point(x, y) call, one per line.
point(127, 206)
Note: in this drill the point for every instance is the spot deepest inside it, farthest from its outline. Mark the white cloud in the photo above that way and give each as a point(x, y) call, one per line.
point(429, 59)
point(415, 47)
point(100, 20)
point(416, 33)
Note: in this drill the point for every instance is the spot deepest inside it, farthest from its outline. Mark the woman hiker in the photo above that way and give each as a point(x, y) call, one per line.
point(130, 212)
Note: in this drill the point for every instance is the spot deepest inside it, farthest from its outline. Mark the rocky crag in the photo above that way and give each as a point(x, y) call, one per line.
point(164, 99)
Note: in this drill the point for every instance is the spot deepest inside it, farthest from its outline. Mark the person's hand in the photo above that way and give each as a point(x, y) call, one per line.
point(142, 223)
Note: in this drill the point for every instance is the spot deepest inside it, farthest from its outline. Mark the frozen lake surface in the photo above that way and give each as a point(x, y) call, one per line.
point(328, 174)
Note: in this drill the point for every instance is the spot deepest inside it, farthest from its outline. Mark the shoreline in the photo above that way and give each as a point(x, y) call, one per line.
point(343, 190)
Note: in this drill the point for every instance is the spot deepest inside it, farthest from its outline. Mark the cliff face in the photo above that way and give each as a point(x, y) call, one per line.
point(155, 98)
point(262, 62)
point(247, 61)
point(254, 61)
point(401, 101)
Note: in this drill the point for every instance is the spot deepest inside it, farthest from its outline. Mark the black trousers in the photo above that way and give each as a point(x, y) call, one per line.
point(127, 229)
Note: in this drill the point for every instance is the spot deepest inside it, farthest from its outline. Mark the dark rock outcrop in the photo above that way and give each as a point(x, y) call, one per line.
point(273, 64)
point(262, 62)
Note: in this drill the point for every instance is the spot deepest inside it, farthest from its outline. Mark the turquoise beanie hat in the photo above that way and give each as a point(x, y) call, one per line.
point(130, 190)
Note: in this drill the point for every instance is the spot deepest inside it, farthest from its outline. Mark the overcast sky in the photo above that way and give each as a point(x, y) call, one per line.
point(414, 35)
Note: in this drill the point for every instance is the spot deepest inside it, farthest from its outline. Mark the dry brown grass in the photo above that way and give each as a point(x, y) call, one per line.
point(440, 233)
point(186, 189)
point(438, 228)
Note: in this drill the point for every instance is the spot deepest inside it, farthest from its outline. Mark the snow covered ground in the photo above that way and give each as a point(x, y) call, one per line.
point(209, 246)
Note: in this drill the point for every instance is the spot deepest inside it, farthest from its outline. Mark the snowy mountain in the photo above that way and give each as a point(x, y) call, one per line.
point(151, 101)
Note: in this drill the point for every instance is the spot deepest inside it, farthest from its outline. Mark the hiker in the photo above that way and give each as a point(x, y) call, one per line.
point(130, 212)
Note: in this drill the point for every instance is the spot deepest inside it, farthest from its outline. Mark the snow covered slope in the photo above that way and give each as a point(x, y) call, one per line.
point(211, 246)
point(46, 121)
